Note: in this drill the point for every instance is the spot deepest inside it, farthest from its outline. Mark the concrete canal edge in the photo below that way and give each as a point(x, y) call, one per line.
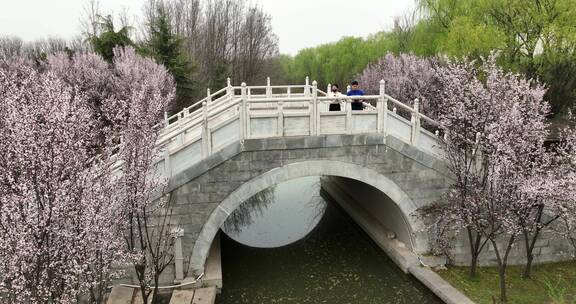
point(438, 286)
point(396, 250)
point(128, 295)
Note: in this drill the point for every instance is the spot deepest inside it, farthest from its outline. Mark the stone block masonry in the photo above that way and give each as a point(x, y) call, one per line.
point(204, 194)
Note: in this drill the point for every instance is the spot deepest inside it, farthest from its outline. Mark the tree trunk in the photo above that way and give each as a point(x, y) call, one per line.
point(475, 249)
point(529, 253)
point(155, 291)
point(530, 243)
point(144, 294)
point(502, 277)
point(473, 265)
point(502, 265)
point(141, 274)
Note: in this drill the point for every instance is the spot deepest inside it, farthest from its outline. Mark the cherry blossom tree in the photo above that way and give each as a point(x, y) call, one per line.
point(407, 77)
point(94, 77)
point(57, 205)
point(494, 145)
point(142, 91)
point(565, 189)
point(557, 186)
point(464, 101)
point(516, 144)
point(65, 218)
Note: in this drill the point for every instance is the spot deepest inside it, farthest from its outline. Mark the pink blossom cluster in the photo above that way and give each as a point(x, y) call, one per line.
point(496, 131)
point(506, 180)
point(408, 77)
point(62, 212)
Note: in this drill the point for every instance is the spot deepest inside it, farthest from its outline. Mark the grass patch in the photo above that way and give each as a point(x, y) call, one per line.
point(550, 283)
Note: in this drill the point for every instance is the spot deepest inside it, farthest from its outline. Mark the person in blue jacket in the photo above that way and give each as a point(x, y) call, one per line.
point(355, 91)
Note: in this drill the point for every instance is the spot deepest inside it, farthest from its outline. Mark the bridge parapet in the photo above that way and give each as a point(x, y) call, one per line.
point(236, 113)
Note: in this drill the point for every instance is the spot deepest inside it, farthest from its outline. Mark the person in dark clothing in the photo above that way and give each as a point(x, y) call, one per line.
point(335, 105)
point(356, 104)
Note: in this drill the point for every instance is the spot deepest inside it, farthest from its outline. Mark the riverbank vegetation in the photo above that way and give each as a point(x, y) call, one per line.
point(204, 42)
point(550, 283)
point(201, 43)
point(69, 222)
point(509, 188)
point(490, 71)
point(534, 38)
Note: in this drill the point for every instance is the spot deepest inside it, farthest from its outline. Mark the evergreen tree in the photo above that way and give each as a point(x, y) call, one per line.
point(105, 42)
point(167, 49)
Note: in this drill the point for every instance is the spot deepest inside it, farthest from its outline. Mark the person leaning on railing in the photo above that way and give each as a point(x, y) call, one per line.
point(356, 104)
point(335, 104)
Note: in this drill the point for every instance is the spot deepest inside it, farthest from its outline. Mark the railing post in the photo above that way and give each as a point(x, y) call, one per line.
point(348, 104)
point(415, 122)
point(166, 122)
point(178, 256)
point(311, 110)
point(229, 88)
point(280, 131)
point(326, 106)
point(241, 116)
point(244, 112)
point(208, 96)
point(307, 87)
point(206, 141)
point(268, 88)
point(381, 108)
point(167, 165)
point(348, 107)
point(289, 92)
point(316, 108)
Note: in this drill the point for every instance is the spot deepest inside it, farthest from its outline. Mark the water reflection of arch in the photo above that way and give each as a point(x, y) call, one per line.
point(279, 215)
point(303, 169)
point(245, 213)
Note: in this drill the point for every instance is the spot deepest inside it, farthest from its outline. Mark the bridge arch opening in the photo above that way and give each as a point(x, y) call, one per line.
point(280, 215)
point(372, 183)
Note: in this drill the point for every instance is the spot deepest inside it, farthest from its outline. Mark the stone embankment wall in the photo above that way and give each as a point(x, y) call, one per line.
point(548, 248)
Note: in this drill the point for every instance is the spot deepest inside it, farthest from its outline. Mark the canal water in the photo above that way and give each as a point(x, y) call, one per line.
point(292, 244)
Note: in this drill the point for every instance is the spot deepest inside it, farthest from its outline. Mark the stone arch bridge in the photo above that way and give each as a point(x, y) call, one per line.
point(240, 140)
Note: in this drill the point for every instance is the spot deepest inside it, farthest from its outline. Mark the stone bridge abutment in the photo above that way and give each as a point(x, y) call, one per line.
point(203, 195)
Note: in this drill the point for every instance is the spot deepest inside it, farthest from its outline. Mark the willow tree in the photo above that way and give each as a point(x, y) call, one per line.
point(535, 37)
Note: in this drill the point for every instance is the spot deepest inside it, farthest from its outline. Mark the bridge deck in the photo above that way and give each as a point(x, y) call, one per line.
point(250, 112)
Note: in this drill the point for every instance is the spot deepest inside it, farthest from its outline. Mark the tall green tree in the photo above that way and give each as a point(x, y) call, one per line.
point(338, 62)
point(105, 42)
point(167, 48)
point(535, 37)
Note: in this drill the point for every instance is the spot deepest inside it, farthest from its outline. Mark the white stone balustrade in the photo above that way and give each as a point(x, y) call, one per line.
point(235, 113)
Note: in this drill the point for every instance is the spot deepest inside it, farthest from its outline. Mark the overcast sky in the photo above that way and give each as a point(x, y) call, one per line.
point(298, 23)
